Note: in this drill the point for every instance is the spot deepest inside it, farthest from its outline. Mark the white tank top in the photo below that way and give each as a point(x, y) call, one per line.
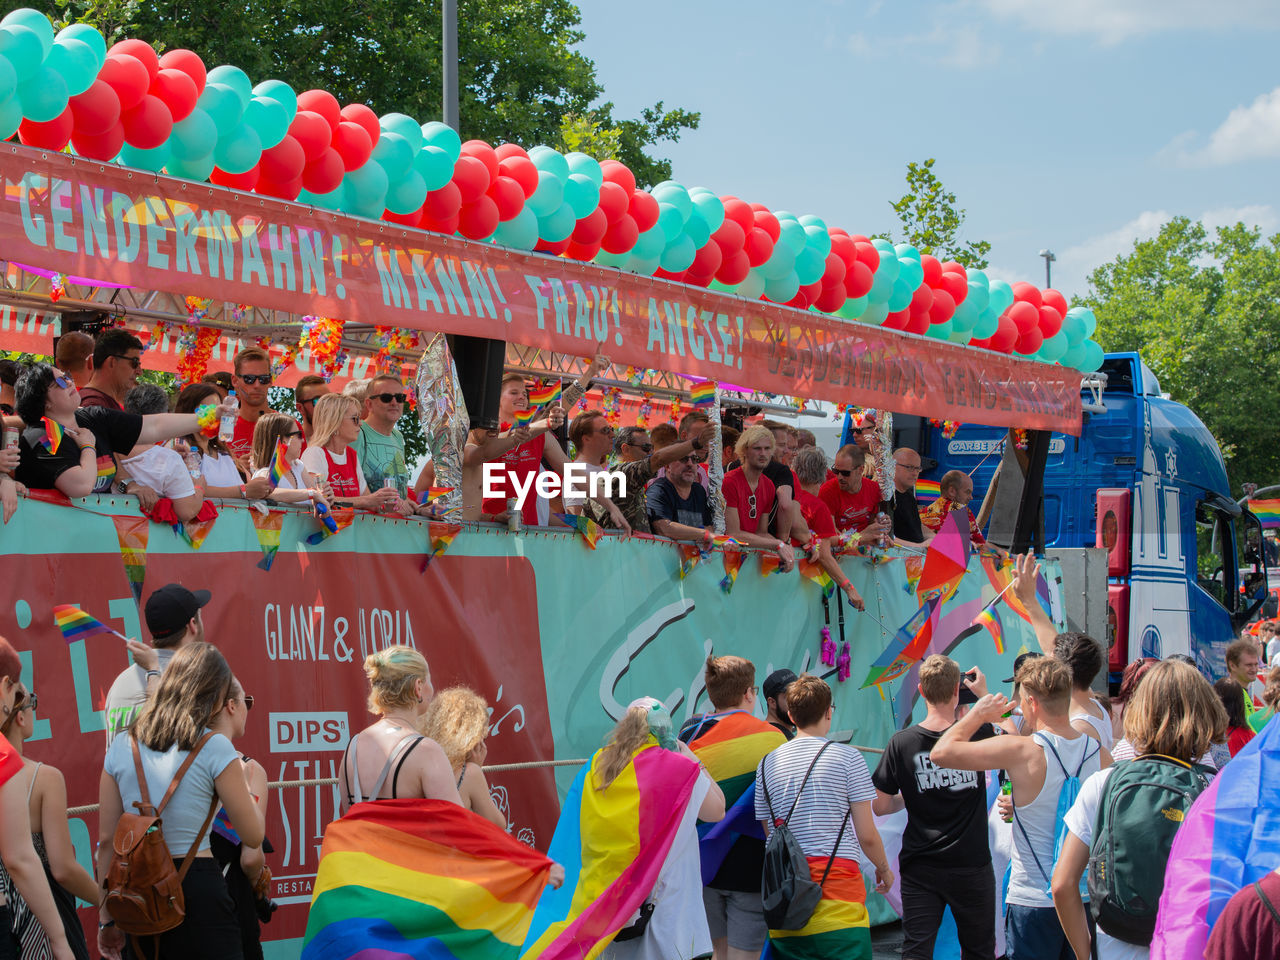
point(1039, 818)
point(1101, 725)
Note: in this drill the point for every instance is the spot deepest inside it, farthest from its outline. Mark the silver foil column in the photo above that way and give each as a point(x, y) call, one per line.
point(884, 460)
point(442, 412)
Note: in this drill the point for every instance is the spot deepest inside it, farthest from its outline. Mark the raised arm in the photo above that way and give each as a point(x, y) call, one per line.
point(1027, 570)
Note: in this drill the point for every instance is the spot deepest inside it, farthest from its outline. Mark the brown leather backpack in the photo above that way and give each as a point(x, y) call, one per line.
point(144, 891)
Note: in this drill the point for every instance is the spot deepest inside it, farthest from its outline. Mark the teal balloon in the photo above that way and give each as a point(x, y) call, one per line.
point(22, 48)
point(674, 194)
point(222, 104)
point(817, 238)
point(407, 194)
point(558, 225)
point(911, 272)
point(906, 251)
point(366, 191)
point(670, 221)
point(198, 169)
point(269, 119)
point(988, 323)
point(10, 117)
point(90, 37)
point(978, 276)
point(549, 196)
point(521, 232)
point(1055, 348)
point(36, 22)
point(810, 265)
point(552, 161)
point(281, 93)
point(782, 290)
point(650, 244)
point(1093, 357)
point(966, 315)
point(589, 167)
point(696, 229)
point(646, 268)
point(679, 255)
point(75, 61)
point(900, 298)
point(786, 215)
point(940, 331)
point(435, 167)
point(8, 79)
point(885, 249)
point(194, 138)
point(1074, 357)
point(753, 286)
point(853, 308)
point(394, 154)
point(239, 150)
point(979, 294)
point(875, 314)
point(886, 273)
point(810, 220)
point(582, 194)
point(236, 79)
point(443, 136)
point(1073, 327)
point(153, 160)
point(710, 208)
point(792, 236)
point(1001, 296)
point(958, 335)
point(44, 96)
point(404, 126)
point(616, 260)
point(333, 200)
point(1090, 321)
point(780, 263)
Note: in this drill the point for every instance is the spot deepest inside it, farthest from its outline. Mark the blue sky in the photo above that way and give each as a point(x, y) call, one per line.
point(1075, 125)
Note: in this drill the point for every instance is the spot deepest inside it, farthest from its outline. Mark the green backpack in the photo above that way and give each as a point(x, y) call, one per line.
point(1143, 804)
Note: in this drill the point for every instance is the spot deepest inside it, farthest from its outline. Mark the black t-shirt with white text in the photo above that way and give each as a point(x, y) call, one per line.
point(946, 809)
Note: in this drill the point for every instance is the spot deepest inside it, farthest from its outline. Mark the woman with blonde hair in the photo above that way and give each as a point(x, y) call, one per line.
point(1171, 719)
point(298, 485)
point(389, 759)
point(458, 720)
point(331, 454)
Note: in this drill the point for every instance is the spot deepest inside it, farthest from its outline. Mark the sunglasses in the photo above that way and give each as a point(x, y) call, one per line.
point(842, 473)
point(134, 362)
point(353, 418)
point(247, 699)
point(690, 459)
point(291, 435)
point(62, 381)
point(751, 506)
point(310, 400)
point(388, 397)
point(646, 447)
point(252, 378)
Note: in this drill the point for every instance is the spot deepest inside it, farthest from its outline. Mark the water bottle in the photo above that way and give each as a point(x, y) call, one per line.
point(227, 425)
point(886, 538)
point(192, 460)
point(1006, 789)
point(514, 517)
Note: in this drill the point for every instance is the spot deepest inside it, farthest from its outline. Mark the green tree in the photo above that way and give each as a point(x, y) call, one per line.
point(519, 74)
point(1204, 312)
point(931, 221)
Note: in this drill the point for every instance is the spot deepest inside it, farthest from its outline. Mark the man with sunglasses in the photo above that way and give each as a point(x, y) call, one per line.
point(309, 389)
point(641, 463)
point(380, 445)
point(252, 383)
point(117, 358)
point(852, 499)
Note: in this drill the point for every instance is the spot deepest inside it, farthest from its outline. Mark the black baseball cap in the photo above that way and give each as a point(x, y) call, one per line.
point(1022, 658)
point(777, 681)
point(171, 607)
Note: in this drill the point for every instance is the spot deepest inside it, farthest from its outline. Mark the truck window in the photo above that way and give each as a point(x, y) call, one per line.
point(1216, 555)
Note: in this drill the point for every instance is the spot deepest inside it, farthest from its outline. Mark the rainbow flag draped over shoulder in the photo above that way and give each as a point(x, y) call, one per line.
point(840, 926)
point(1267, 511)
point(612, 843)
point(401, 879)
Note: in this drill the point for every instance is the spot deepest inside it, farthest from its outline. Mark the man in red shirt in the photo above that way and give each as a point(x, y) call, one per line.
point(117, 357)
point(749, 495)
point(251, 382)
point(852, 499)
point(810, 466)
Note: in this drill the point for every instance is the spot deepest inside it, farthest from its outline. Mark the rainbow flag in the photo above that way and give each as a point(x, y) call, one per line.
point(268, 531)
point(732, 564)
point(1267, 511)
point(280, 467)
point(927, 490)
point(690, 557)
point(946, 559)
point(435, 493)
point(334, 521)
point(703, 394)
point(132, 534)
point(106, 468)
point(812, 570)
point(613, 844)
point(439, 535)
point(589, 529)
point(525, 417)
point(1226, 842)
point(545, 393)
point(725, 542)
point(769, 562)
point(421, 878)
point(908, 645)
point(75, 624)
point(195, 531)
point(53, 434)
point(840, 925)
point(990, 618)
point(1000, 574)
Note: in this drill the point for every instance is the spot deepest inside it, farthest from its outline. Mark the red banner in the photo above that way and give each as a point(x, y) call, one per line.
point(129, 227)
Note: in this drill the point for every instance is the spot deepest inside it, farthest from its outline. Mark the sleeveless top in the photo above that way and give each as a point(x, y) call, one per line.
point(399, 754)
point(344, 477)
point(1102, 725)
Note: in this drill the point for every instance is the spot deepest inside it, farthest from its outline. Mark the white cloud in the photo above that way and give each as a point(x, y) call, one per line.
point(1249, 133)
point(1114, 21)
point(960, 46)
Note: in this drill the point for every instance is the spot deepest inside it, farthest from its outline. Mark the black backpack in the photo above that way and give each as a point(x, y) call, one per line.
point(1142, 806)
point(787, 890)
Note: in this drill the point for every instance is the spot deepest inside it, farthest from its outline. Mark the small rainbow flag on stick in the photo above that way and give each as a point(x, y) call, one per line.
point(525, 417)
point(280, 467)
point(990, 618)
point(927, 490)
point(725, 542)
point(435, 493)
point(52, 435)
point(1267, 511)
point(545, 393)
point(589, 529)
point(703, 394)
point(75, 624)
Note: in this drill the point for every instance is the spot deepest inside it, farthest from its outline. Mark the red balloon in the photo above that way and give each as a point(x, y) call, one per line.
point(50, 135)
point(312, 132)
point(668, 275)
point(284, 162)
point(831, 299)
point(734, 269)
point(811, 291)
point(103, 146)
point(506, 151)
point(800, 301)
point(897, 320)
point(147, 125)
point(236, 181)
point(835, 271)
point(1052, 298)
point(613, 201)
point(484, 153)
point(953, 266)
point(943, 307)
point(1050, 321)
point(1027, 293)
point(351, 141)
point(96, 110)
point(591, 229)
point(287, 190)
point(859, 238)
point(707, 260)
point(730, 237)
point(766, 221)
point(522, 171)
point(956, 285)
point(443, 203)
point(141, 51)
point(932, 270)
point(697, 280)
point(177, 91)
point(509, 197)
point(617, 172)
point(478, 220)
point(740, 212)
point(324, 173)
point(364, 117)
point(1023, 316)
point(555, 249)
point(759, 246)
point(1029, 342)
point(845, 249)
point(581, 251)
point(471, 177)
point(643, 210)
point(921, 300)
point(448, 226)
point(324, 103)
point(127, 77)
point(867, 253)
point(405, 219)
point(189, 63)
point(858, 281)
point(917, 324)
point(1005, 337)
point(621, 235)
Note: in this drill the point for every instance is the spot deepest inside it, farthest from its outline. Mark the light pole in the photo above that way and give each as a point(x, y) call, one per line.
point(449, 62)
point(1048, 259)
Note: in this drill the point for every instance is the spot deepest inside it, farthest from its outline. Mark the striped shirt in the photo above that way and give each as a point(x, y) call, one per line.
point(839, 779)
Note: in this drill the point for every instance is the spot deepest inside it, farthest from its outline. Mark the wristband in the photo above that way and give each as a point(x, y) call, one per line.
point(152, 673)
point(243, 492)
point(845, 585)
